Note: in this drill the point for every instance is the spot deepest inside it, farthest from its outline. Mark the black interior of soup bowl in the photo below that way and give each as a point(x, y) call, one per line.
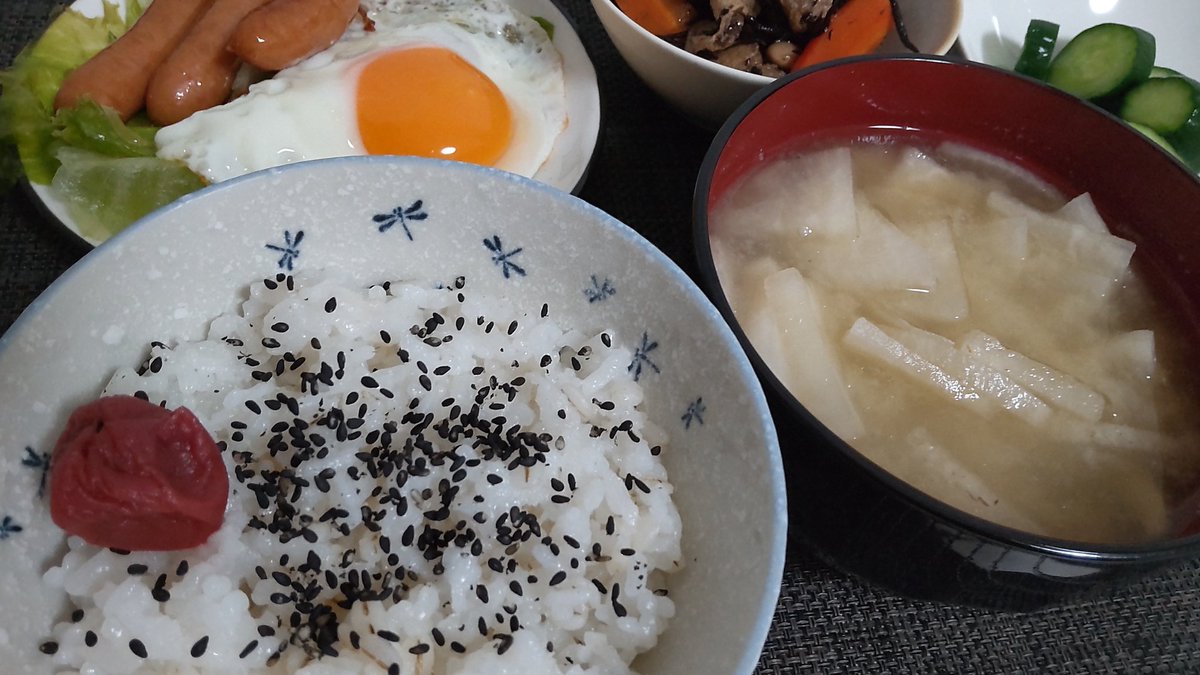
point(848, 510)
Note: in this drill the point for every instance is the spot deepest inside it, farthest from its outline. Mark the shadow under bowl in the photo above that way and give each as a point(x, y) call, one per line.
point(849, 511)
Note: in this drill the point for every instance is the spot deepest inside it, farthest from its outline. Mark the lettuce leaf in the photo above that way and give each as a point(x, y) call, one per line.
point(89, 126)
point(103, 194)
point(28, 88)
point(103, 169)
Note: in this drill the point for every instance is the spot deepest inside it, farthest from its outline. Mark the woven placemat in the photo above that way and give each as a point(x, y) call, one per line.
point(643, 174)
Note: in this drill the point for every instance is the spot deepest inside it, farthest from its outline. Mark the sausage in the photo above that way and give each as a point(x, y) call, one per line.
point(282, 32)
point(198, 74)
point(118, 75)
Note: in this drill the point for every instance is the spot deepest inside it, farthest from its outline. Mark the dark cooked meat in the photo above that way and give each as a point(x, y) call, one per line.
point(802, 14)
point(731, 15)
point(745, 7)
point(746, 57)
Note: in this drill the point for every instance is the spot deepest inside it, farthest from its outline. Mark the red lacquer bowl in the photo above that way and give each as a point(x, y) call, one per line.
point(851, 512)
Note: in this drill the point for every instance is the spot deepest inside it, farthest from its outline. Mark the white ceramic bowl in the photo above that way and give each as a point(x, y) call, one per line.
point(707, 92)
point(994, 30)
point(166, 276)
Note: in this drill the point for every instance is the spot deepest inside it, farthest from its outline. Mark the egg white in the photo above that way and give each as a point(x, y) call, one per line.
point(307, 111)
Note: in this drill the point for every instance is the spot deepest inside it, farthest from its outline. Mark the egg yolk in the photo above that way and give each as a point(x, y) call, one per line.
point(429, 102)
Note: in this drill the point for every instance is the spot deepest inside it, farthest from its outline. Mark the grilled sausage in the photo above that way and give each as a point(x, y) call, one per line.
point(282, 32)
point(118, 75)
point(198, 74)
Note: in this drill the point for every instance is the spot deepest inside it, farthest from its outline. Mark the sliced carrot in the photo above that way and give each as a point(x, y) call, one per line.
point(661, 17)
point(859, 27)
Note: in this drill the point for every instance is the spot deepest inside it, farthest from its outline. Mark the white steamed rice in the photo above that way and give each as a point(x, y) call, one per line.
point(423, 480)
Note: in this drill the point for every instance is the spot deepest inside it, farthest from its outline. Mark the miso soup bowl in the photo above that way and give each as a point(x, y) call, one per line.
point(848, 510)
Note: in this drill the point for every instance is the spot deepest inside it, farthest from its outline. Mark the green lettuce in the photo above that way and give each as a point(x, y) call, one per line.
point(27, 89)
point(102, 168)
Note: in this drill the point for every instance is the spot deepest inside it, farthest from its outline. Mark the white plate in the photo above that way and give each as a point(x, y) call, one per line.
point(993, 30)
point(565, 169)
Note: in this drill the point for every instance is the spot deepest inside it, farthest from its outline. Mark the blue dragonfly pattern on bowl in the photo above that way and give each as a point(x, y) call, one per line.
point(9, 527)
point(641, 357)
point(694, 413)
point(40, 462)
point(289, 250)
point(402, 216)
point(504, 259)
point(599, 290)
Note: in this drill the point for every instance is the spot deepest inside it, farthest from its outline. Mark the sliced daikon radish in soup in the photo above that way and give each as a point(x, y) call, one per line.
point(869, 340)
point(811, 371)
point(820, 205)
point(967, 490)
point(881, 257)
point(1082, 210)
point(946, 298)
point(1052, 386)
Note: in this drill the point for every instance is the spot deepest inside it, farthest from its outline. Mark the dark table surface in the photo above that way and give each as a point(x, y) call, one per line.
point(643, 174)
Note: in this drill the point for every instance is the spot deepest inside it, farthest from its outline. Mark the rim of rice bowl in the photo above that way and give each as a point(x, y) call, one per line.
point(489, 183)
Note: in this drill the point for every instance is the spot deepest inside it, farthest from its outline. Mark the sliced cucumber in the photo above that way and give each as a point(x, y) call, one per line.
point(1163, 71)
point(1038, 51)
point(1186, 142)
point(1157, 138)
point(1103, 60)
point(1161, 103)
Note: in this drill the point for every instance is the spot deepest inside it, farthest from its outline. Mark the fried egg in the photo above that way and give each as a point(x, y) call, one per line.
point(467, 80)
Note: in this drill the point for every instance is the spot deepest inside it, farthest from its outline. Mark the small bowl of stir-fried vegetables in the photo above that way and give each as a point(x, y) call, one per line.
point(707, 56)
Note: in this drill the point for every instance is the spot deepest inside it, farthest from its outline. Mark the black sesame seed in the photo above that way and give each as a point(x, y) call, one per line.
point(394, 669)
point(419, 649)
point(160, 594)
point(137, 569)
point(458, 647)
point(438, 637)
point(138, 649)
point(250, 647)
point(559, 577)
point(388, 635)
point(266, 631)
point(77, 616)
point(48, 647)
point(330, 304)
point(506, 641)
point(481, 593)
point(90, 639)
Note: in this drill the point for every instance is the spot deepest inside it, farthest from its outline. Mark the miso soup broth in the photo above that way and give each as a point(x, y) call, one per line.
point(970, 330)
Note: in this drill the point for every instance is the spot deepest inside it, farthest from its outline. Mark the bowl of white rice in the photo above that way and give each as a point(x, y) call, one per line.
point(471, 424)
